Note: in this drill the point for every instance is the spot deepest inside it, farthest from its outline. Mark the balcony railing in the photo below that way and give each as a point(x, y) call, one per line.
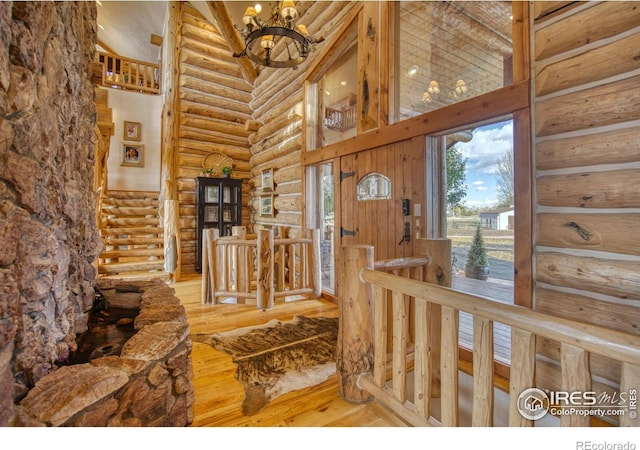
point(129, 74)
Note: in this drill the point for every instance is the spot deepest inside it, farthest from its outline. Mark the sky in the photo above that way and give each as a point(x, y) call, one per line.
point(489, 143)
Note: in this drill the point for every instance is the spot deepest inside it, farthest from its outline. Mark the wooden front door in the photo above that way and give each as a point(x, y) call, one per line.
point(381, 222)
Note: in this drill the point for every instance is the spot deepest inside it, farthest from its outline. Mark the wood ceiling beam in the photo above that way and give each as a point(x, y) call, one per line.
point(106, 48)
point(224, 23)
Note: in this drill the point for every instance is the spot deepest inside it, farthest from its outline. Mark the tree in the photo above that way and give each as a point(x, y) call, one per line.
point(477, 264)
point(477, 255)
point(456, 166)
point(504, 185)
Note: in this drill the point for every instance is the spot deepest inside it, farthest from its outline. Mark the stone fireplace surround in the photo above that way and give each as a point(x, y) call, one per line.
point(149, 384)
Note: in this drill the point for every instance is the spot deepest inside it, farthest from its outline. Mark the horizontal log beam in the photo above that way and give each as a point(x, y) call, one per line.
point(610, 189)
point(612, 147)
point(615, 278)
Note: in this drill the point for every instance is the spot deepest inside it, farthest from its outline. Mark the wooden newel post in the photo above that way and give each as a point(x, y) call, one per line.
point(355, 331)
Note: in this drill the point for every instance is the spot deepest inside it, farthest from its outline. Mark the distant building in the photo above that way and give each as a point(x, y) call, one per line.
point(497, 219)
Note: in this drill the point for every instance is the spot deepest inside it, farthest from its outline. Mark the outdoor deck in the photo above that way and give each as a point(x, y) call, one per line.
point(500, 291)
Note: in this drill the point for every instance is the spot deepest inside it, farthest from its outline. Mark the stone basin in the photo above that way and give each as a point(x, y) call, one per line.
point(147, 381)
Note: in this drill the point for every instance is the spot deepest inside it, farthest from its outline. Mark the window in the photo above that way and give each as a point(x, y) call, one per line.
point(321, 214)
point(475, 168)
point(480, 195)
point(450, 52)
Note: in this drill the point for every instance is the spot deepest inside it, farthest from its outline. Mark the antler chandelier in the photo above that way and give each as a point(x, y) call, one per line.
point(261, 38)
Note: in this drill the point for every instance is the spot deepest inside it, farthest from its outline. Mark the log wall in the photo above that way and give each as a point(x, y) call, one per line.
point(277, 109)
point(212, 108)
point(586, 114)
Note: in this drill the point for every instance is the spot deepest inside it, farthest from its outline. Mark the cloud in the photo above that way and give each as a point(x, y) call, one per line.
point(483, 203)
point(488, 145)
point(481, 188)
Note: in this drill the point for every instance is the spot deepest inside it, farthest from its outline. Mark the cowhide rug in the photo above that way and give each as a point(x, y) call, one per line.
point(278, 357)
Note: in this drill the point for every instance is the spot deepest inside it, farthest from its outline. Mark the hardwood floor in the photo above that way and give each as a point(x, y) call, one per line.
point(218, 396)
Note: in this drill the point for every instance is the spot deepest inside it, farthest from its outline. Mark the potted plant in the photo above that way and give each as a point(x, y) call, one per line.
point(226, 171)
point(208, 172)
point(477, 264)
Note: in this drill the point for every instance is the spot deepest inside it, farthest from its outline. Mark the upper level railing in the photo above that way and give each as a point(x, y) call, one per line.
point(364, 360)
point(130, 74)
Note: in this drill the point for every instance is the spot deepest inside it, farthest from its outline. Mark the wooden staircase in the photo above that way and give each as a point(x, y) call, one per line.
point(132, 235)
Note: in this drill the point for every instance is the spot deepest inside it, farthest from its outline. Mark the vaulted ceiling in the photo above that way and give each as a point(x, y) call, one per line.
point(446, 41)
point(125, 27)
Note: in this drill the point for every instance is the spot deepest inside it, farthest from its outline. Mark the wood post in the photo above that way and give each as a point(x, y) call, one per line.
point(576, 377)
point(438, 272)
point(449, 367)
point(439, 269)
point(225, 26)
point(400, 336)
point(423, 362)
point(355, 332)
point(523, 363)
point(316, 269)
point(171, 225)
point(209, 236)
point(265, 290)
point(482, 415)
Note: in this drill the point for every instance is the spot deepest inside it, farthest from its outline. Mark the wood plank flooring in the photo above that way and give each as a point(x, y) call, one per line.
point(502, 293)
point(218, 396)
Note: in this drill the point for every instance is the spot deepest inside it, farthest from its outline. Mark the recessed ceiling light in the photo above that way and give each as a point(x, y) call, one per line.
point(343, 83)
point(412, 70)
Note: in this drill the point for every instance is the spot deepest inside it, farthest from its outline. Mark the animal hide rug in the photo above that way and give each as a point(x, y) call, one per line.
point(278, 357)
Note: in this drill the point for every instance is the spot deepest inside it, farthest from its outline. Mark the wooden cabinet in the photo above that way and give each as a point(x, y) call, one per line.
point(219, 205)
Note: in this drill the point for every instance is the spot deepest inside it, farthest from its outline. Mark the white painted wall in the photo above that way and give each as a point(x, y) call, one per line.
point(146, 109)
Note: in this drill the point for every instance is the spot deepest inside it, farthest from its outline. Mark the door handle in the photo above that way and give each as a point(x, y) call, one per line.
point(344, 232)
point(407, 233)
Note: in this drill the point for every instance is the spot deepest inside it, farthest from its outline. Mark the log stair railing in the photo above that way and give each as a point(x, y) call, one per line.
point(364, 361)
point(132, 236)
point(264, 269)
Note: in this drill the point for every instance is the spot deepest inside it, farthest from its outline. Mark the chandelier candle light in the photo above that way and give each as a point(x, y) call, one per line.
point(434, 89)
point(260, 37)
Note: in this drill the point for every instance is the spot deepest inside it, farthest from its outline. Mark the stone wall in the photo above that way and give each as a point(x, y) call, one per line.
point(150, 383)
point(48, 235)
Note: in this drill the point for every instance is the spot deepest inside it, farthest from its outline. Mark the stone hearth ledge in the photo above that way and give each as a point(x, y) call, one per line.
point(149, 384)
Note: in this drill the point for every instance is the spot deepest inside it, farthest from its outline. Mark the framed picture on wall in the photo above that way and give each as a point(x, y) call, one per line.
point(266, 205)
point(132, 155)
point(267, 180)
point(132, 131)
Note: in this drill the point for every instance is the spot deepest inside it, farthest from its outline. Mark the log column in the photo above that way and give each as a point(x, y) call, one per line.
point(355, 331)
point(169, 126)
